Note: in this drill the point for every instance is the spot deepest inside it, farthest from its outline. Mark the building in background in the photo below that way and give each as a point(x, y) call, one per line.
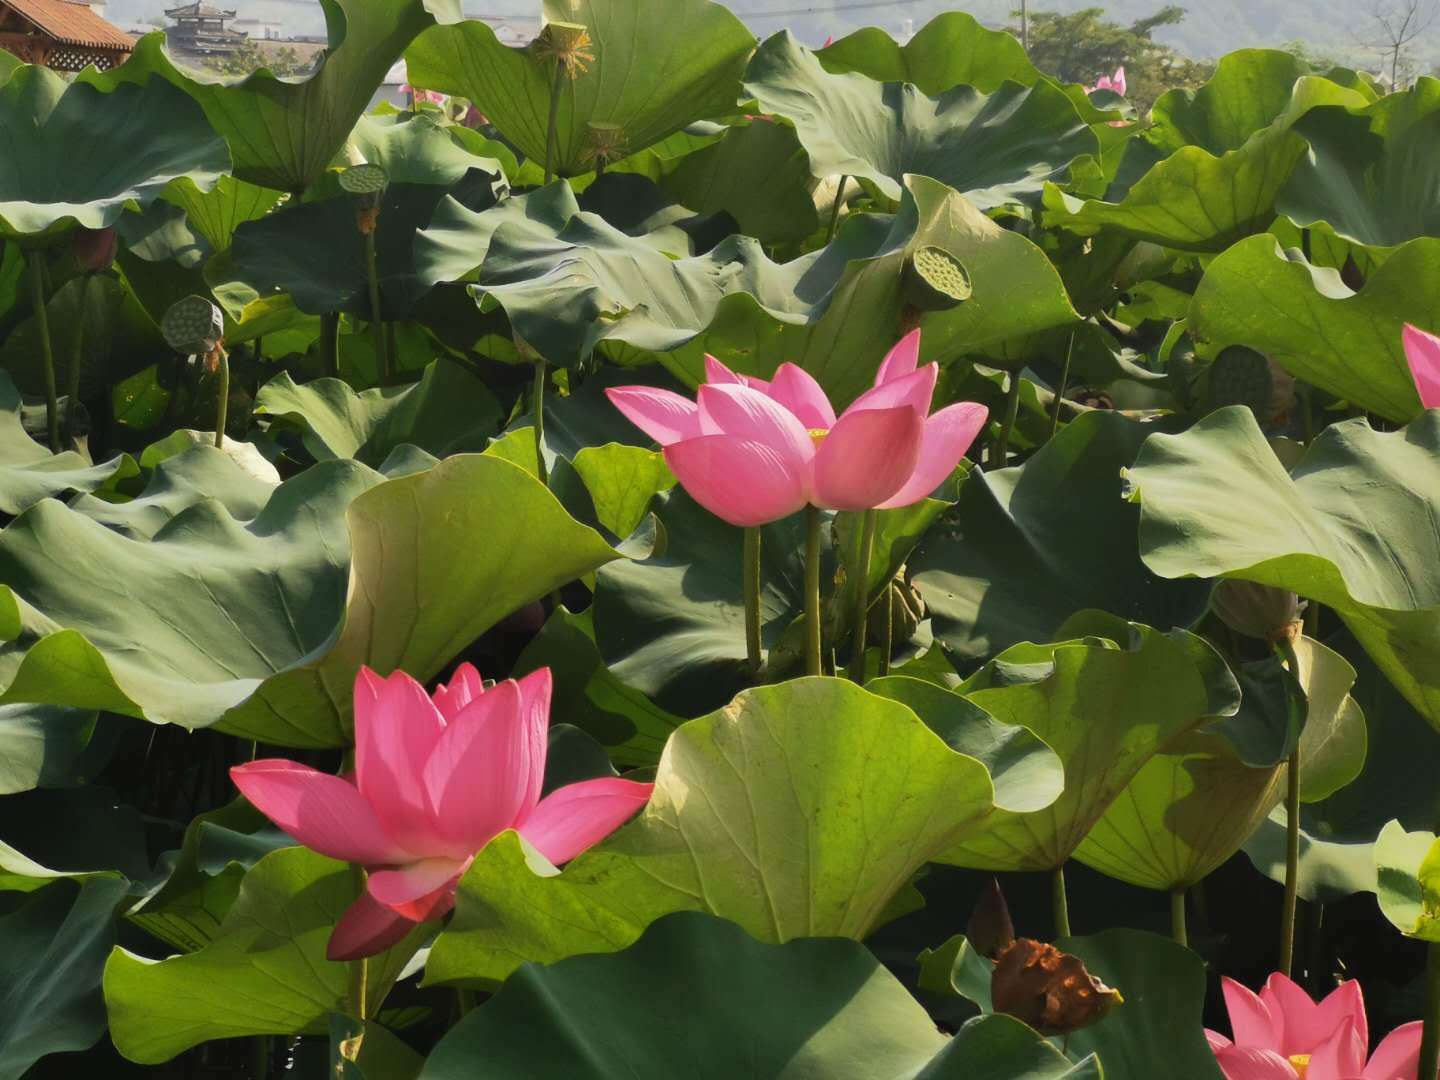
point(62, 34)
point(199, 30)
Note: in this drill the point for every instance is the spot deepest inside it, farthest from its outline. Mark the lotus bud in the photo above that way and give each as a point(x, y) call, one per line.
point(1258, 611)
point(935, 280)
point(368, 184)
point(94, 249)
point(1048, 989)
point(990, 930)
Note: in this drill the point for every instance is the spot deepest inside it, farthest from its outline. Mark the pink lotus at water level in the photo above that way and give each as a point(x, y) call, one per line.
point(1281, 1034)
point(752, 451)
point(435, 781)
point(1423, 352)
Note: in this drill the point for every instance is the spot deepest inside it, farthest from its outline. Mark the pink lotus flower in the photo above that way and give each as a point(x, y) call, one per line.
point(752, 451)
point(1423, 352)
point(1281, 1034)
point(1115, 83)
point(435, 781)
point(433, 97)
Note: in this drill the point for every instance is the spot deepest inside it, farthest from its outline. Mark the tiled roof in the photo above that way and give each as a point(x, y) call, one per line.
point(71, 23)
point(199, 8)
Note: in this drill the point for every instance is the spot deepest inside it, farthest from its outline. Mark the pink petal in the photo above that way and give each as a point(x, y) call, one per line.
point(915, 390)
point(755, 383)
point(1345, 1002)
point(1297, 1017)
point(1398, 1055)
point(396, 728)
point(366, 929)
point(1117, 83)
point(1423, 352)
point(1217, 1041)
point(421, 891)
point(739, 481)
point(323, 812)
point(579, 816)
point(746, 413)
point(1252, 1021)
point(867, 457)
point(464, 687)
point(947, 435)
point(1253, 1063)
point(717, 372)
point(901, 360)
point(666, 417)
point(1340, 1057)
point(484, 768)
point(796, 389)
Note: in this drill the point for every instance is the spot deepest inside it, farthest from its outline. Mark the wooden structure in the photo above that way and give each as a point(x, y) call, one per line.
point(61, 34)
point(199, 30)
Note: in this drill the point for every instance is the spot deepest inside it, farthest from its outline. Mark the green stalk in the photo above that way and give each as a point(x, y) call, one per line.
point(377, 324)
point(73, 390)
point(537, 407)
point(812, 591)
point(1064, 385)
point(752, 598)
point(1012, 410)
point(555, 86)
point(42, 323)
point(330, 343)
point(835, 208)
point(260, 1056)
point(1430, 1033)
point(222, 404)
point(359, 969)
point(1059, 902)
point(1177, 917)
point(887, 640)
point(860, 612)
point(1292, 834)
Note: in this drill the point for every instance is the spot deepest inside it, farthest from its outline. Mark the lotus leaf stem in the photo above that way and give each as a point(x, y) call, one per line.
point(860, 612)
point(887, 640)
point(1292, 830)
point(72, 391)
point(752, 598)
point(537, 406)
point(1430, 1032)
point(1059, 902)
point(359, 969)
point(835, 208)
point(377, 323)
point(34, 262)
point(550, 129)
point(330, 343)
point(1177, 917)
point(1064, 385)
point(812, 591)
point(1012, 410)
point(222, 396)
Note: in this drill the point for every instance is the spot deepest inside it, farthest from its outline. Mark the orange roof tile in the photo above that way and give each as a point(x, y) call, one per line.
point(71, 23)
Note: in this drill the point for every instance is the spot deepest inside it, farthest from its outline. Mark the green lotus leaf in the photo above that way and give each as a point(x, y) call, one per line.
point(844, 828)
point(1092, 701)
point(952, 49)
point(44, 746)
point(1320, 330)
point(217, 213)
point(1227, 150)
point(656, 66)
point(996, 148)
point(55, 943)
point(1008, 569)
point(264, 974)
point(283, 133)
point(1312, 531)
point(700, 990)
point(1372, 173)
point(1407, 882)
point(448, 406)
point(259, 623)
point(87, 155)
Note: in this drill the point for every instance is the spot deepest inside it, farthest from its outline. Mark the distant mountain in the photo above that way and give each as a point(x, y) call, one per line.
point(1211, 27)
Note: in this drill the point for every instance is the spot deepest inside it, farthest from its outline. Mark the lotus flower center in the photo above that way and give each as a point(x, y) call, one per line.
point(1301, 1063)
point(817, 435)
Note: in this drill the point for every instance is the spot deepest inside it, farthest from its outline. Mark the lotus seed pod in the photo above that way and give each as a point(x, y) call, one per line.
point(935, 280)
point(1048, 989)
point(604, 143)
point(1240, 376)
point(367, 180)
point(193, 325)
point(568, 44)
point(1258, 611)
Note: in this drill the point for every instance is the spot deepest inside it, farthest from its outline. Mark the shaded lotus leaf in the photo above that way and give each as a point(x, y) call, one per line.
point(700, 990)
point(1372, 173)
point(265, 973)
point(732, 301)
point(44, 746)
point(1092, 701)
point(1313, 531)
point(1225, 152)
point(283, 133)
point(259, 623)
point(216, 214)
point(136, 140)
point(995, 148)
point(87, 320)
point(55, 943)
point(1407, 872)
point(845, 825)
point(1006, 567)
point(1310, 322)
point(657, 66)
point(80, 833)
point(447, 406)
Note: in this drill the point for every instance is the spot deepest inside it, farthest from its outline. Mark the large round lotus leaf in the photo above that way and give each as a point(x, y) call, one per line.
point(284, 132)
point(655, 66)
point(1318, 328)
point(950, 50)
point(699, 990)
point(1352, 526)
point(1106, 708)
point(1005, 567)
point(1373, 173)
point(259, 623)
point(1227, 148)
point(264, 974)
point(216, 214)
point(77, 156)
point(994, 148)
point(1406, 881)
point(761, 815)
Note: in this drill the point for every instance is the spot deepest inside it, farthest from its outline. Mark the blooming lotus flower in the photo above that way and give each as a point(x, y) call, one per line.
point(1423, 352)
point(1115, 83)
point(752, 451)
point(435, 780)
point(1281, 1034)
point(433, 97)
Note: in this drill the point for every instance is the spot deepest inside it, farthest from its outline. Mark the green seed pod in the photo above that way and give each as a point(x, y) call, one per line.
point(935, 280)
point(366, 180)
point(193, 325)
point(1240, 376)
point(1258, 611)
